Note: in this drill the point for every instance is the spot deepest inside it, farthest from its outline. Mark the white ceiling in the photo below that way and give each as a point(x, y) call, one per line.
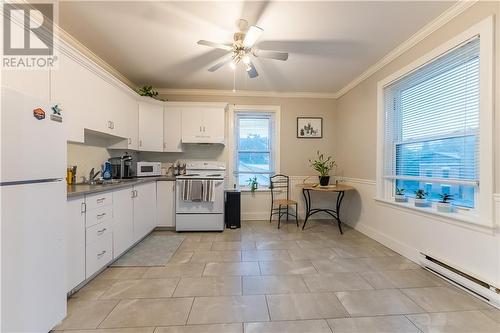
point(330, 43)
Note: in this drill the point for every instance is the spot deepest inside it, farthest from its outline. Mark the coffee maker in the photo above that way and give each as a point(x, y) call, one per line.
point(121, 167)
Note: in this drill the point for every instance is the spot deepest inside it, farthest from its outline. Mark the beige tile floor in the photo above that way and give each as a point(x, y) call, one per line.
point(259, 279)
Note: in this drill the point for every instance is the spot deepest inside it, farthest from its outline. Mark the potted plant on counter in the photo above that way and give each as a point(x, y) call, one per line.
point(420, 198)
point(400, 195)
point(444, 205)
point(323, 165)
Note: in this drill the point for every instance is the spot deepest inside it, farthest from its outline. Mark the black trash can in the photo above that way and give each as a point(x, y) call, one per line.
point(232, 209)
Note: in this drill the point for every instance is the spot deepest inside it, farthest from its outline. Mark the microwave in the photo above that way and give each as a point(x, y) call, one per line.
point(148, 169)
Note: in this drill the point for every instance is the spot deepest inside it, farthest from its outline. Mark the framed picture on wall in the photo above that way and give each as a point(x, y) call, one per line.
point(309, 127)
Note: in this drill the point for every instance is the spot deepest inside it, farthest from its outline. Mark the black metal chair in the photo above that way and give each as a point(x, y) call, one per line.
point(278, 184)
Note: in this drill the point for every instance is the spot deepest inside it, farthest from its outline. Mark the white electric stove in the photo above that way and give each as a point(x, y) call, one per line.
point(201, 215)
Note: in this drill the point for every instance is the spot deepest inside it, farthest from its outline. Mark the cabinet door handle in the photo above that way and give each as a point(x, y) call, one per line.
point(136, 193)
point(132, 194)
point(129, 141)
point(200, 129)
point(100, 232)
point(99, 255)
point(203, 129)
point(112, 125)
point(100, 200)
point(100, 216)
point(83, 208)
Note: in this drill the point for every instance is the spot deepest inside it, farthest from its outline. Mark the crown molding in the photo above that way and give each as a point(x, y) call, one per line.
point(244, 93)
point(68, 40)
point(416, 38)
point(117, 77)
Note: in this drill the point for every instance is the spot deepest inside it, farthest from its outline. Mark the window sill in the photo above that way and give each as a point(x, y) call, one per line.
point(469, 221)
point(247, 190)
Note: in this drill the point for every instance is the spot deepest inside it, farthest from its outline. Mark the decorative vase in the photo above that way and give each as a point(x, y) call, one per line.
point(324, 180)
point(444, 207)
point(400, 198)
point(420, 202)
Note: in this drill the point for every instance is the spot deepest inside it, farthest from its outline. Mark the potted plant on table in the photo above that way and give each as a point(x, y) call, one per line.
point(420, 198)
point(444, 205)
point(400, 195)
point(323, 165)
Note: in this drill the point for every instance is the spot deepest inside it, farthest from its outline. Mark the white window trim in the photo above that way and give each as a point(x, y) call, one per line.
point(233, 108)
point(483, 214)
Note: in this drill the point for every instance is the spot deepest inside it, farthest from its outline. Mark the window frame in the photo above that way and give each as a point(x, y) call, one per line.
point(482, 214)
point(274, 111)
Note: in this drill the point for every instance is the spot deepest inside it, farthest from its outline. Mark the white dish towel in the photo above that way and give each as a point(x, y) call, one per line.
point(197, 190)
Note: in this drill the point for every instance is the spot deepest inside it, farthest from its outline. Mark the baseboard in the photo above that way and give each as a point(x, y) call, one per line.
point(393, 244)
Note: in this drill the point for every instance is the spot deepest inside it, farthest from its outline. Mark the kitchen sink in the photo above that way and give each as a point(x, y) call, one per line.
point(105, 182)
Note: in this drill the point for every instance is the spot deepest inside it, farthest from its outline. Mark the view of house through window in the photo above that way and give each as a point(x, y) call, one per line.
point(254, 147)
point(432, 127)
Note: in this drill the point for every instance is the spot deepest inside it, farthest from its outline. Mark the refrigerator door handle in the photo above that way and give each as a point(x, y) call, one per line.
point(34, 181)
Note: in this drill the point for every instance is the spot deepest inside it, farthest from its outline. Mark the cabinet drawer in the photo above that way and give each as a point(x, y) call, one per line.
point(98, 231)
point(98, 215)
point(98, 254)
point(98, 200)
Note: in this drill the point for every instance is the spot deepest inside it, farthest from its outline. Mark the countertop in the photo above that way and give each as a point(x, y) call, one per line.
point(79, 190)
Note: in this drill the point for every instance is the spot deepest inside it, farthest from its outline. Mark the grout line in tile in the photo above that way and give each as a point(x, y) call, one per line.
point(411, 321)
point(113, 309)
point(189, 313)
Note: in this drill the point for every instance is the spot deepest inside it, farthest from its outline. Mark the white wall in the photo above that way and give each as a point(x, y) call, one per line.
point(473, 250)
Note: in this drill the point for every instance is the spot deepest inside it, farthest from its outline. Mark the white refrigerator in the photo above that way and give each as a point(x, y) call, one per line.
point(33, 200)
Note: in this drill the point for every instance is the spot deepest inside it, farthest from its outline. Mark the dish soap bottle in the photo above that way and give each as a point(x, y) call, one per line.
point(106, 171)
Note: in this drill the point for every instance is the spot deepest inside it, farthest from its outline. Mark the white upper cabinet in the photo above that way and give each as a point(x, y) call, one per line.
point(133, 127)
point(151, 126)
point(71, 87)
point(89, 101)
point(172, 129)
point(203, 124)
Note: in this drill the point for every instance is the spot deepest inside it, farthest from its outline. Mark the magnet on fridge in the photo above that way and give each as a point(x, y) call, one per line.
point(39, 114)
point(56, 113)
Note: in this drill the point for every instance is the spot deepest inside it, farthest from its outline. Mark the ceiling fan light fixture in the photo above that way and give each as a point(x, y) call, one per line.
point(248, 68)
point(232, 64)
point(246, 59)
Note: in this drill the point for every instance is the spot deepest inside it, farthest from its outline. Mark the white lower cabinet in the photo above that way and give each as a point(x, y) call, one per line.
point(123, 223)
point(144, 209)
point(99, 231)
point(165, 203)
point(75, 242)
point(98, 254)
point(102, 226)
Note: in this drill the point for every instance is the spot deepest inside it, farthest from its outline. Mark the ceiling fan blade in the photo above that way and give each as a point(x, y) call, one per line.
point(271, 54)
point(215, 45)
point(252, 71)
point(252, 36)
point(225, 60)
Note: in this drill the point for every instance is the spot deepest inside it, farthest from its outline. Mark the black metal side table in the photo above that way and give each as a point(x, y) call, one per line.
point(335, 213)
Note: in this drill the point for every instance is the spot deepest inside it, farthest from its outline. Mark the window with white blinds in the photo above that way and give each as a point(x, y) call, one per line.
point(431, 119)
point(254, 155)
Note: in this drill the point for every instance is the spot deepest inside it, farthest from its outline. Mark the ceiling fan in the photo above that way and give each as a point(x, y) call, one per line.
point(243, 48)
